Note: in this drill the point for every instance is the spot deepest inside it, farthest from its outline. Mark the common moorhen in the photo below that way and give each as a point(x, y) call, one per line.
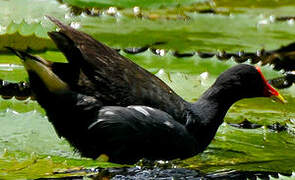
point(106, 104)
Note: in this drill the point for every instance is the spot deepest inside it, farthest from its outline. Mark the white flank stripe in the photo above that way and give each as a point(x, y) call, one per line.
point(140, 109)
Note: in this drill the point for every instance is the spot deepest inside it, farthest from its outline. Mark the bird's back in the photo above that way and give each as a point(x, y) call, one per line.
point(112, 78)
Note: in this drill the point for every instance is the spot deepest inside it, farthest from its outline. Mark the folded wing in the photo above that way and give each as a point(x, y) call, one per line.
point(126, 134)
point(114, 79)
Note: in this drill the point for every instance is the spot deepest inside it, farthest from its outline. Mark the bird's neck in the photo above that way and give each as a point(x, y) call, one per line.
point(207, 114)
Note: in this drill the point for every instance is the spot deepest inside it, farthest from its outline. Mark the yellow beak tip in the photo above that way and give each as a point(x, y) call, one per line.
point(279, 98)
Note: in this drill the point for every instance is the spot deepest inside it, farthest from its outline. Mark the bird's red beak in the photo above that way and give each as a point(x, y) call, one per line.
point(269, 91)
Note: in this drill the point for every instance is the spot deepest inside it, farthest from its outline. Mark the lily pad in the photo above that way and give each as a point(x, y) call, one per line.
point(29, 145)
point(130, 3)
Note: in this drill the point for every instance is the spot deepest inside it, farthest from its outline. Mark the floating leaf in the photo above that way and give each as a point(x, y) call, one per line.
point(21, 42)
point(254, 3)
point(130, 3)
point(23, 26)
point(25, 129)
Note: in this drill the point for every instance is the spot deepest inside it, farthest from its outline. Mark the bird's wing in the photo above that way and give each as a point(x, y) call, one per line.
point(139, 131)
point(81, 48)
point(116, 78)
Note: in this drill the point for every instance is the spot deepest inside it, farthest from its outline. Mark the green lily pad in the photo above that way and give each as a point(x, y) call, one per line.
point(200, 32)
point(29, 146)
point(254, 3)
point(130, 3)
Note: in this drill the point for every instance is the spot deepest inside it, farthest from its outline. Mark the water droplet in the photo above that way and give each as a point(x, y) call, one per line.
point(75, 25)
point(291, 21)
point(204, 75)
point(112, 11)
point(136, 11)
point(272, 18)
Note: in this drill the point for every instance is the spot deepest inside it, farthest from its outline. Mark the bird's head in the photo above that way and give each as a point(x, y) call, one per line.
point(245, 81)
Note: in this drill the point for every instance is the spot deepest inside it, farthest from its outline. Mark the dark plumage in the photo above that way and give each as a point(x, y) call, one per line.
point(112, 78)
point(106, 104)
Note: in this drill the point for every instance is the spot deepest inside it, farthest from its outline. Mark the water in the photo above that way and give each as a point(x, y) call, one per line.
point(29, 147)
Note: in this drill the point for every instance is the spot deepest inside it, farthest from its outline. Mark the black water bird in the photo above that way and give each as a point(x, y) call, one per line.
point(121, 110)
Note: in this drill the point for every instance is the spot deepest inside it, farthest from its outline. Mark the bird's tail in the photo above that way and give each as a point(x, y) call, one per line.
point(24, 55)
point(57, 22)
point(21, 54)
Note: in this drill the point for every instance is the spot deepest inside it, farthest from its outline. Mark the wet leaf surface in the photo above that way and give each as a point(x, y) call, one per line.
point(28, 144)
